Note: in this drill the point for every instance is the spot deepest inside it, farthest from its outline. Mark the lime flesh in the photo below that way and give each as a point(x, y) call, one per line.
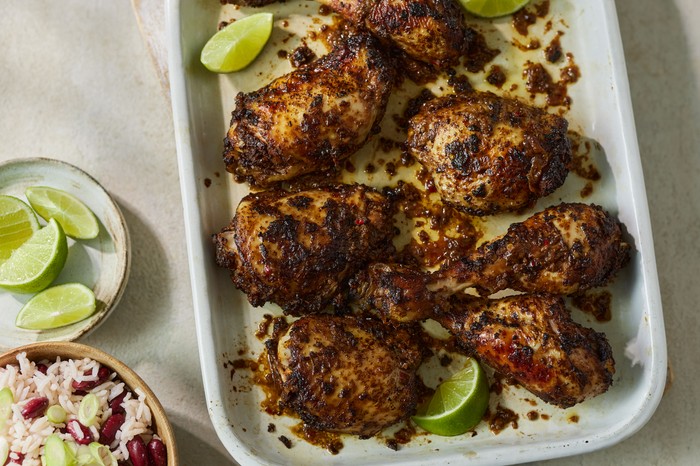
point(76, 218)
point(458, 404)
point(56, 307)
point(36, 263)
point(492, 8)
point(17, 224)
point(238, 44)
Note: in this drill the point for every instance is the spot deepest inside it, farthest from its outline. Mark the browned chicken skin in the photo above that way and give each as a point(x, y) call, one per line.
point(490, 154)
point(533, 340)
point(298, 249)
point(347, 374)
point(312, 118)
point(430, 31)
point(563, 249)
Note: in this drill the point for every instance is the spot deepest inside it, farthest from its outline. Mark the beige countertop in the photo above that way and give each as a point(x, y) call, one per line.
point(77, 84)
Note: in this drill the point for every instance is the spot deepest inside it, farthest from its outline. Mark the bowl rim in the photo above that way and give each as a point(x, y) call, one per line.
point(72, 350)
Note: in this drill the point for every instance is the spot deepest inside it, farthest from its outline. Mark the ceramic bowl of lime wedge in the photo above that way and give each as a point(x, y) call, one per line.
point(65, 254)
point(70, 403)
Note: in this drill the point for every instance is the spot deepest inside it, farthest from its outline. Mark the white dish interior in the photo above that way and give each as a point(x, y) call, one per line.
point(226, 323)
point(101, 264)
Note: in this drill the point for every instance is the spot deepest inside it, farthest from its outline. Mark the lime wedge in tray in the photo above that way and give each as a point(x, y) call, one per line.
point(492, 8)
point(236, 46)
point(458, 403)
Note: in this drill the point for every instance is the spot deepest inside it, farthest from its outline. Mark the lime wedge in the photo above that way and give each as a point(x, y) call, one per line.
point(6, 400)
point(34, 265)
point(493, 8)
point(57, 306)
point(76, 219)
point(17, 224)
point(458, 404)
point(236, 46)
point(87, 412)
point(57, 452)
point(56, 414)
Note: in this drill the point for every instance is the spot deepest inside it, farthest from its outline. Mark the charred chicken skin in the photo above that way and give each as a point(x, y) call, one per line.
point(489, 154)
point(312, 118)
point(347, 374)
point(430, 31)
point(533, 340)
point(528, 338)
point(298, 249)
point(562, 250)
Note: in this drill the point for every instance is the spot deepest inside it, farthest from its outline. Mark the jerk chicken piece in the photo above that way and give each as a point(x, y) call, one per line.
point(533, 340)
point(312, 118)
point(490, 154)
point(528, 338)
point(347, 374)
point(562, 250)
point(297, 249)
point(430, 31)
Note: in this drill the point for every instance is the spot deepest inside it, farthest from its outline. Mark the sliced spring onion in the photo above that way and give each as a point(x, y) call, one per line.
point(56, 414)
point(87, 412)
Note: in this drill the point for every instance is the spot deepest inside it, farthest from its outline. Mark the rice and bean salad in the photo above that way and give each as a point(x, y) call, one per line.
point(121, 422)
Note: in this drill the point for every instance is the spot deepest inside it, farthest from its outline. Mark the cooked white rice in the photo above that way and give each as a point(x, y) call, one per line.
point(27, 436)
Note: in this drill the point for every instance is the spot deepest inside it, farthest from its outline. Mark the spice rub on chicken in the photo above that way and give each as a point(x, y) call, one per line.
point(312, 118)
point(490, 154)
point(533, 340)
point(297, 249)
point(561, 250)
point(430, 31)
point(347, 374)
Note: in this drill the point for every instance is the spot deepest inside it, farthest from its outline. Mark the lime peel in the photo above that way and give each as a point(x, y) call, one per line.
point(34, 265)
point(492, 8)
point(238, 44)
point(458, 403)
point(76, 219)
point(17, 224)
point(56, 307)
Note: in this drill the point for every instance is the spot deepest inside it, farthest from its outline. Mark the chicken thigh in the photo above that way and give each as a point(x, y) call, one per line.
point(297, 249)
point(312, 118)
point(489, 154)
point(347, 374)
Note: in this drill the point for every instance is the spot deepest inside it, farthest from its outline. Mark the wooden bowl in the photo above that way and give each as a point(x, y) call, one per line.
point(70, 350)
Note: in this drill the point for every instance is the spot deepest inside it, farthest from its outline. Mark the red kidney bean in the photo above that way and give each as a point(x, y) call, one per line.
point(138, 454)
point(116, 403)
point(43, 368)
point(14, 457)
point(79, 432)
point(35, 407)
point(102, 375)
point(110, 428)
point(157, 452)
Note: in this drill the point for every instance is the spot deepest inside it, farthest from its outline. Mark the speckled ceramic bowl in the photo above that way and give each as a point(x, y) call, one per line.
point(101, 263)
point(70, 350)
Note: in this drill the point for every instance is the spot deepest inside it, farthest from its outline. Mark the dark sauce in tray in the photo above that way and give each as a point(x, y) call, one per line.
point(596, 303)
